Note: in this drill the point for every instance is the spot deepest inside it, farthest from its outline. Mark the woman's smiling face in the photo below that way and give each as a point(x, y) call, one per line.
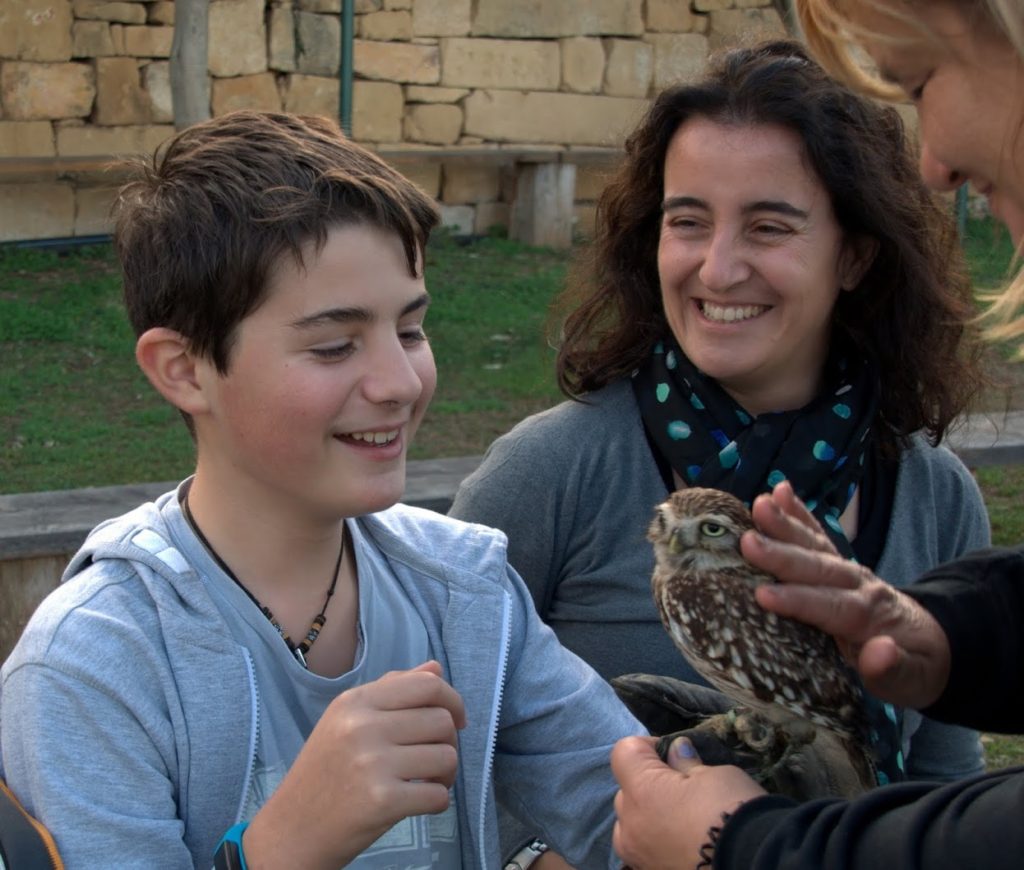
point(968, 86)
point(751, 260)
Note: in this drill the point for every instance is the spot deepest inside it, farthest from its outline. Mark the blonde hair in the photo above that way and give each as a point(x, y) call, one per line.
point(834, 39)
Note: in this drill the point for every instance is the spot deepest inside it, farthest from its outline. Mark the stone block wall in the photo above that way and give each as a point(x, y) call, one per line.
point(90, 79)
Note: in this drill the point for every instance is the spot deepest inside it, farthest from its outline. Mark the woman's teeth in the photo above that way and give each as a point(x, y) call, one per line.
point(730, 313)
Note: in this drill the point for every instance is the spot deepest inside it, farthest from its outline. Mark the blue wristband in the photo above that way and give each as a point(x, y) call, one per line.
point(229, 854)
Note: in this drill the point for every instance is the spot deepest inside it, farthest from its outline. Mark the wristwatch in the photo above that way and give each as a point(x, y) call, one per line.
point(527, 855)
point(229, 854)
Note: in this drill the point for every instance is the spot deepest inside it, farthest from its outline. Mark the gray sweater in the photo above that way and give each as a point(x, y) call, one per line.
point(128, 713)
point(574, 489)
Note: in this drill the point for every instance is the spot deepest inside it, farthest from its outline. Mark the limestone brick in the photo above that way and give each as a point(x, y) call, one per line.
point(546, 18)
point(630, 68)
point(672, 16)
point(426, 176)
point(433, 123)
point(161, 12)
point(117, 37)
point(281, 39)
point(120, 98)
point(125, 13)
point(490, 215)
point(52, 212)
point(26, 139)
point(582, 64)
point(591, 181)
point(584, 219)
point(500, 63)
point(156, 79)
point(92, 210)
point(40, 91)
point(441, 17)
point(312, 95)
point(365, 6)
point(397, 62)
point(91, 39)
point(458, 219)
point(678, 57)
point(238, 38)
point(427, 94)
point(393, 26)
point(318, 48)
point(712, 5)
point(328, 7)
point(245, 92)
point(377, 112)
point(531, 116)
point(752, 4)
point(729, 26)
point(470, 183)
point(398, 4)
point(81, 141)
point(148, 41)
point(35, 30)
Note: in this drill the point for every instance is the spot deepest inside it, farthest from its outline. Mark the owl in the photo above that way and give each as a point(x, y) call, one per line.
point(786, 672)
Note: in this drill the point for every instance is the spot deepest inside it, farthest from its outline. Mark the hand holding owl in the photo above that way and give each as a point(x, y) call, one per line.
point(900, 651)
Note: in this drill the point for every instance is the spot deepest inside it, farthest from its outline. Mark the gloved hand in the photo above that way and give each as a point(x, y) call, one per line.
point(794, 758)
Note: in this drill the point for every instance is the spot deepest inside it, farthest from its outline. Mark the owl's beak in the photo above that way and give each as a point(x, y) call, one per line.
point(675, 543)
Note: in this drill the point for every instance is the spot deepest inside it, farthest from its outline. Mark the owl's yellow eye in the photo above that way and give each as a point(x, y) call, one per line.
point(712, 530)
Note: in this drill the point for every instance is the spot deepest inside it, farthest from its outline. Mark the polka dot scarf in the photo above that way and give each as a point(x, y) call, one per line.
point(711, 441)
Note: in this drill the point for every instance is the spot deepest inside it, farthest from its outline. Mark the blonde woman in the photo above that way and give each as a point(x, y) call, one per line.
point(951, 645)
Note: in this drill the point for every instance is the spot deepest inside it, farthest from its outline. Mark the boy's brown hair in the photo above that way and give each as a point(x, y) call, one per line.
point(201, 229)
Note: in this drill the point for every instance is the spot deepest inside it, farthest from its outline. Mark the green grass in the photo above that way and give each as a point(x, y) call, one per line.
point(989, 252)
point(75, 410)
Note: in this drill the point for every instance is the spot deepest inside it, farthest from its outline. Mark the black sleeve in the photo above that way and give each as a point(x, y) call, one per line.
point(979, 602)
point(931, 826)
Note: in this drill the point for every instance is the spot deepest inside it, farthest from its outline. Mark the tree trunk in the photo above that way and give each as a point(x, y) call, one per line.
point(190, 84)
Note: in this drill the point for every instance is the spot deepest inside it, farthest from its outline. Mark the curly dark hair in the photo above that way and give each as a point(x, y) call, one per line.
point(910, 314)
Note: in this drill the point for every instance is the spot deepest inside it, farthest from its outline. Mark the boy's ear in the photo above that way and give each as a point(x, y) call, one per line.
point(856, 258)
point(165, 358)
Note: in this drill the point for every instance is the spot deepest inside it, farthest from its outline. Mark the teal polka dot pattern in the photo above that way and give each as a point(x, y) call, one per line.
point(775, 477)
point(841, 410)
point(743, 416)
point(678, 430)
point(696, 402)
point(729, 455)
point(662, 392)
point(834, 523)
point(823, 451)
point(670, 360)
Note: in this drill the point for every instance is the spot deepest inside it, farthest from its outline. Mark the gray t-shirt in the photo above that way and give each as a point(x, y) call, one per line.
point(292, 700)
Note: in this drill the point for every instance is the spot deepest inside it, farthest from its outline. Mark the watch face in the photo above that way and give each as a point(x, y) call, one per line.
point(228, 857)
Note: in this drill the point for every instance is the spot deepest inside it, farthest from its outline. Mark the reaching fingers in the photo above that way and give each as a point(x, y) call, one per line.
point(793, 563)
point(782, 516)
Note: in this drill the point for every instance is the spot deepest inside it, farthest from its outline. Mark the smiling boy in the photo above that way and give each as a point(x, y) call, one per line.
point(275, 661)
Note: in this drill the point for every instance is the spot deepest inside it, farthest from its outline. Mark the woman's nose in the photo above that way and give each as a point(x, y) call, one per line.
point(724, 263)
point(937, 174)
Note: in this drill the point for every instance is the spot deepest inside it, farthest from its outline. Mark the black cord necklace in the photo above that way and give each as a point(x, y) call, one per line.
point(300, 650)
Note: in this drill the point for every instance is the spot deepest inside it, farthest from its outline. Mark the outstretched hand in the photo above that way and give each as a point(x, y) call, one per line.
point(897, 647)
point(664, 812)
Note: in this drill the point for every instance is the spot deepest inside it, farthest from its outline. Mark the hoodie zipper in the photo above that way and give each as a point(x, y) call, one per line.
point(492, 730)
point(254, 734)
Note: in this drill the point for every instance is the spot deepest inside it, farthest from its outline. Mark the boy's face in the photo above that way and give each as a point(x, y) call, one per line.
point(327, 382)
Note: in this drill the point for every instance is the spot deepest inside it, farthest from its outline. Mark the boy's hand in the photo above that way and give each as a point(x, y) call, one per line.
point(381, 752)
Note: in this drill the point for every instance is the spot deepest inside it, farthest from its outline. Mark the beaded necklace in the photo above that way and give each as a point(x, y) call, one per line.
point(299, 650)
